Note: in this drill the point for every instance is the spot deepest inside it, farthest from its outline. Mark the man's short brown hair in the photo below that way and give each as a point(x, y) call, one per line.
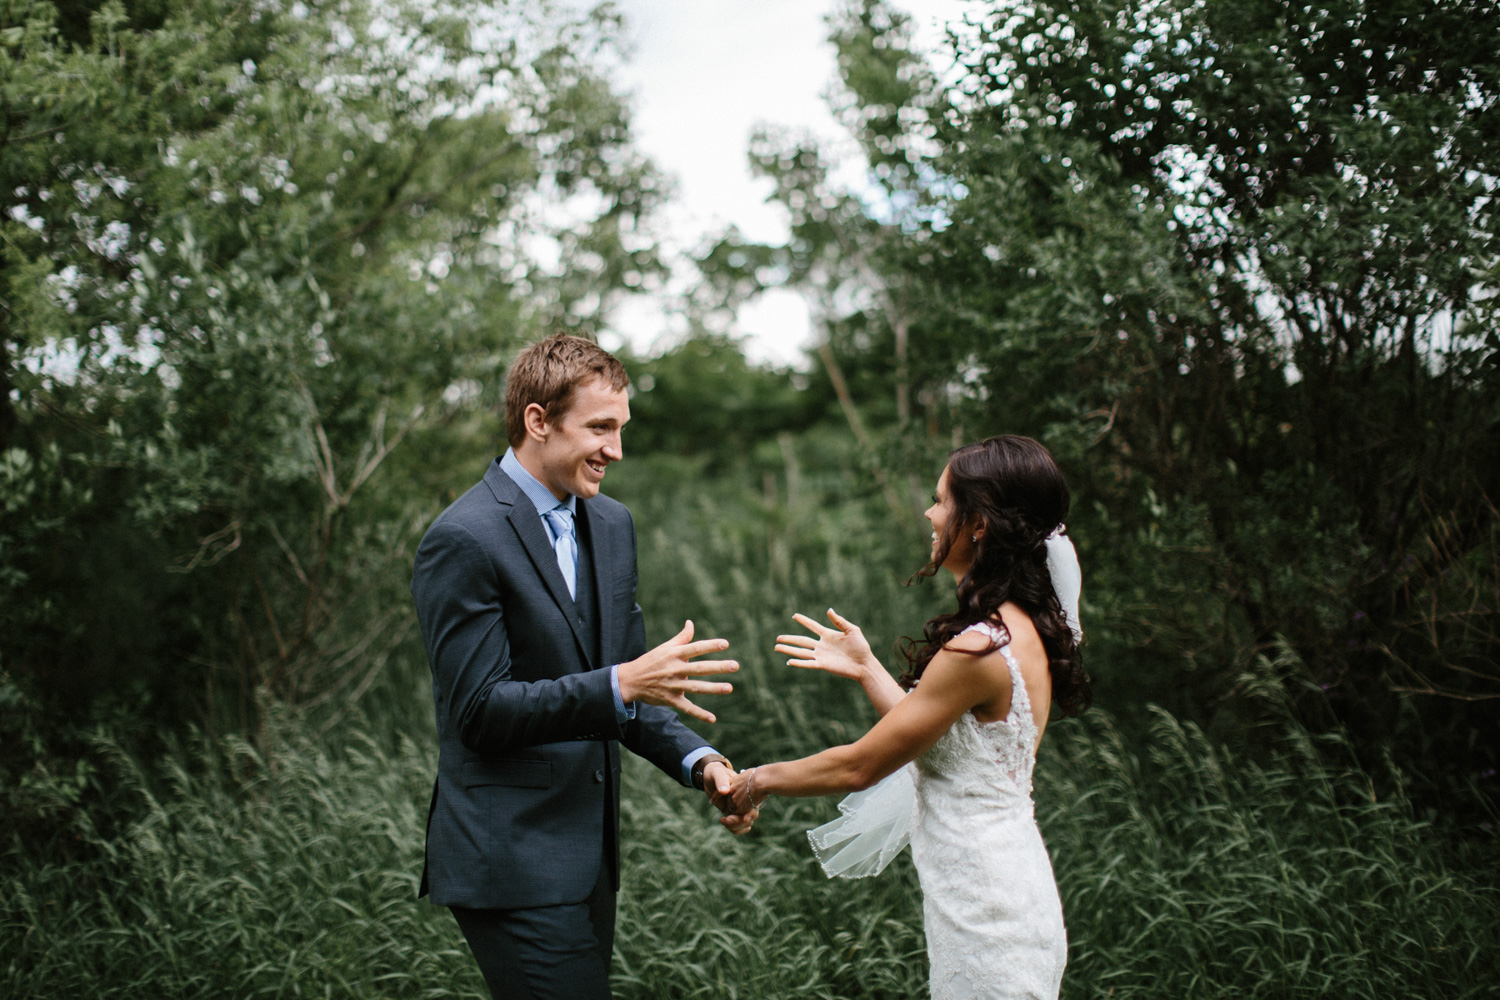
point(549, 373)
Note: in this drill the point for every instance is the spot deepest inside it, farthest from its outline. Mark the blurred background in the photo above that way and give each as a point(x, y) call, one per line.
point(263, 267)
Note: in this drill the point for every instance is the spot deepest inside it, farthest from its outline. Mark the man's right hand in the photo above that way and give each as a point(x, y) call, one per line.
point(663, 676)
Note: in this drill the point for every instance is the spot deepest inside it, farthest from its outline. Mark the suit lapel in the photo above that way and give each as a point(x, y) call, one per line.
point(527, 523)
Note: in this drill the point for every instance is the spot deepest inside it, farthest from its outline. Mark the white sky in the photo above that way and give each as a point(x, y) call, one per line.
point(703, 75)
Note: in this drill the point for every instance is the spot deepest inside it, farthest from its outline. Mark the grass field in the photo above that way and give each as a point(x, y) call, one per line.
point(1282, 870)
point(1184, 872)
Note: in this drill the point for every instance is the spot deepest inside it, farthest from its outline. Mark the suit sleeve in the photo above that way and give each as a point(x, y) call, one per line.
point(656, 733)
point(463, 627)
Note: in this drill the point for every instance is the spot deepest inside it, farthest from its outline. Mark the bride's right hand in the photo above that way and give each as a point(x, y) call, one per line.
point(842, 651)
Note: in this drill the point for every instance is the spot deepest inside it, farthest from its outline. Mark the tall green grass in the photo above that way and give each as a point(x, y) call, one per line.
point(248, 875)
point(1279, 870)
point(1185, 871)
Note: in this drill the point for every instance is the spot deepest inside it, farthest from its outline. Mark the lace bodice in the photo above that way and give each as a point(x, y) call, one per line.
point(991, 758)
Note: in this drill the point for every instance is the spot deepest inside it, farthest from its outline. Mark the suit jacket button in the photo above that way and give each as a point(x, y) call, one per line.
point(599, 776)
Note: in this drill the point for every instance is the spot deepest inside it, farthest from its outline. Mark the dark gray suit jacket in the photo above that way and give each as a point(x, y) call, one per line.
point(526, 803)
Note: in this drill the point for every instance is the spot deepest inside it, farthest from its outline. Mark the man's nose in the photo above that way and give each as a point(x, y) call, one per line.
point(613, 449)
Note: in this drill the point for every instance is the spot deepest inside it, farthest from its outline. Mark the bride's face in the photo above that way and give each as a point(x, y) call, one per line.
point(961, 553)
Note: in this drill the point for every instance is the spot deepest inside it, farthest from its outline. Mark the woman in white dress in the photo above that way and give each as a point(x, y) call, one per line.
point(988, 672)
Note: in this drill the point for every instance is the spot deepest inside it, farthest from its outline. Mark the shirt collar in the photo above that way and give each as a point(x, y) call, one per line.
point(541, 498)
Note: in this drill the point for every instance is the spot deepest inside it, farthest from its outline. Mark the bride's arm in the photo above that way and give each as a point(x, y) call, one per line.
point(844, 652)
point(950, 687)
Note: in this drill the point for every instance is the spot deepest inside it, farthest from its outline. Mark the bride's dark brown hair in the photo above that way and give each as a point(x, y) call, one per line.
point(1011, 486)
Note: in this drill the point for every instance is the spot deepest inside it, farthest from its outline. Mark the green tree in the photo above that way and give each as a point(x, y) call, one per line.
point(849, 249)
point(250, 255)
point(703, 398)
point(1236, 264)
point(1242, 250)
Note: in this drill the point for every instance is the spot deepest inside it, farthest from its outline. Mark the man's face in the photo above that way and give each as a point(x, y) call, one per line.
point(574, 448)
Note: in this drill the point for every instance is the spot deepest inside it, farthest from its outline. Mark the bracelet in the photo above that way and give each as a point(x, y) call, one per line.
point(750, 789)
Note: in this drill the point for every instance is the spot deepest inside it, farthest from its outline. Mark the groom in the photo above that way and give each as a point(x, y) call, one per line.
point(525, 589)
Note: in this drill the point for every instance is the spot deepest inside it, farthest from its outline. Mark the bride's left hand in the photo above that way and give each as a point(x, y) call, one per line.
point(842, 651)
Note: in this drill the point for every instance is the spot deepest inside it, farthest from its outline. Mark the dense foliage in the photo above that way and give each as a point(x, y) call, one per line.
point(252, 254)
point(262, 267)
point(1236, 264)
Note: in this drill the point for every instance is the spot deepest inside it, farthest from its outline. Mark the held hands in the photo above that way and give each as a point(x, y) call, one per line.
point(718, 782)
point(842, 651)
point(662, 676)
point(744, 797)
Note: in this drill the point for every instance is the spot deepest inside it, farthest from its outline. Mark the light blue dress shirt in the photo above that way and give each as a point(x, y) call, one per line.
point(543, 500)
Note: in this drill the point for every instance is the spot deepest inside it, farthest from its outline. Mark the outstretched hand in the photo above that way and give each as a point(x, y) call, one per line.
point(718, 782)
point(842, 650)
point(663, 676)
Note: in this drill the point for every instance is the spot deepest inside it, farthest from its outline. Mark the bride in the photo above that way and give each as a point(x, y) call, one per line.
point(988, 674)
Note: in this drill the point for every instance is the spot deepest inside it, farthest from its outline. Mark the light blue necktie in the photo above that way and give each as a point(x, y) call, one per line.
point(561, 520)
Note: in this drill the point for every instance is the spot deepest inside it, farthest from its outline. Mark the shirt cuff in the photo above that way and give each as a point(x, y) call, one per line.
point(693, 758)
point(623, 712)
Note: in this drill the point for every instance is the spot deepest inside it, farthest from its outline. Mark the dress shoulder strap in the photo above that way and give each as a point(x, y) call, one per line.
point(1020, 701)
point(995, 631)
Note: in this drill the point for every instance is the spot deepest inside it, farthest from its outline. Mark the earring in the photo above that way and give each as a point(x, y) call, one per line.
point(973, 538)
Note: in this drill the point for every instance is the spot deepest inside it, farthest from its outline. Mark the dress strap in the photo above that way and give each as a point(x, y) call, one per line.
point(1020, 701)
point(997, 633)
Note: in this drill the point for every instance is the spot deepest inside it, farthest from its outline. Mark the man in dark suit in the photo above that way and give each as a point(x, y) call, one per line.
point(525, 588)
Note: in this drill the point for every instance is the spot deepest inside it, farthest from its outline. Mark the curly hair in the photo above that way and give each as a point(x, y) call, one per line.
point(1012, 487)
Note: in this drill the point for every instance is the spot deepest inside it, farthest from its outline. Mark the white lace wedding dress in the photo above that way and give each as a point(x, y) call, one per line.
point(993, 918)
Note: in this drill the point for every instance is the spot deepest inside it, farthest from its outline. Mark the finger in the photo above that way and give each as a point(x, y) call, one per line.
point(791, 650)
point(804, 664)
point(805, 641)
point(722, 780)
point(735, 824)
point(811, 625)
point(703, 687)
point(688, 708)
point(844, 624)
point(703, 667)
point(686, 635)
point(687, 651)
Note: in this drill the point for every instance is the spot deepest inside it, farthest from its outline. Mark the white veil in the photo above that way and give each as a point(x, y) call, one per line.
point(1067, 578)
point(874, 825)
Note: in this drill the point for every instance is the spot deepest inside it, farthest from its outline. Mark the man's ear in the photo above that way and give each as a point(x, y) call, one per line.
point(536, 423)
